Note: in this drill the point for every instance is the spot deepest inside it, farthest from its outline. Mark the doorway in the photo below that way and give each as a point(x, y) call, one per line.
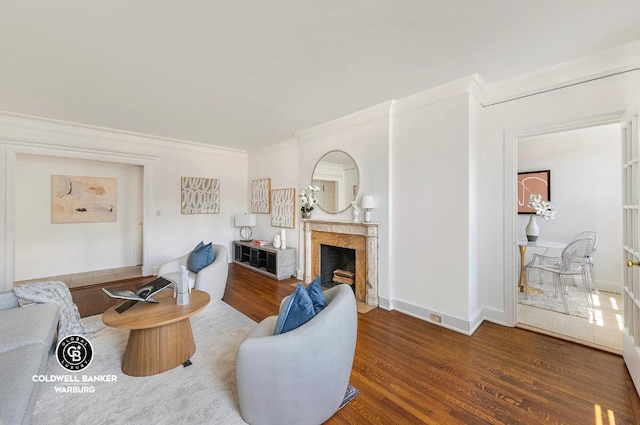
point(585, 188)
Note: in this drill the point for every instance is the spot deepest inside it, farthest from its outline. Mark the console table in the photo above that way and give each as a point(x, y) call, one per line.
point(275, 263)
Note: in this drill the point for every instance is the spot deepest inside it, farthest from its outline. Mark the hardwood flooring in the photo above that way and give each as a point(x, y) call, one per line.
point(409, 371)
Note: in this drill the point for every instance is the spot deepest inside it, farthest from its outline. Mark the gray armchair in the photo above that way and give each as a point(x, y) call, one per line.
point(301, 376)
point(211, 279)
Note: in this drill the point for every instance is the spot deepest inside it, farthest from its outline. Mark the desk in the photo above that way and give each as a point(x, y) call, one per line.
point(523, 244)
point(160, 335)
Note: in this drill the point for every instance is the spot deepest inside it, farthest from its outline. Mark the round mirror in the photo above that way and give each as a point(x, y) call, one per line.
point(337, 176)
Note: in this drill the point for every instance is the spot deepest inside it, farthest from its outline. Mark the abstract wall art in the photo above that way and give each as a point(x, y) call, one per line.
point(533, 182)
point(77, 199)
point(261, 196)
point(283, 205)
point(200, 195)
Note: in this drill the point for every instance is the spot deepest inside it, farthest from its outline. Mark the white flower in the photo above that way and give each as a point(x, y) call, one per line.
point(543, 208)
point(308, 198)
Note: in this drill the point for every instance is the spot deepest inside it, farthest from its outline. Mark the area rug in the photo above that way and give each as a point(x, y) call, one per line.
point(203, 393)
point(576, 300)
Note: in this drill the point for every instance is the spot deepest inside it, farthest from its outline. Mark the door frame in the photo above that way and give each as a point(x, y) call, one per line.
point(510, 142)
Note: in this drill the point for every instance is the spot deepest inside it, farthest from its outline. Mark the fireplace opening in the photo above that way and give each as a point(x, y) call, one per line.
point(337, 265)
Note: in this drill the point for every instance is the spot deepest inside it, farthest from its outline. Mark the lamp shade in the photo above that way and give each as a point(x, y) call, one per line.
point(367, 202)
point(242, 220)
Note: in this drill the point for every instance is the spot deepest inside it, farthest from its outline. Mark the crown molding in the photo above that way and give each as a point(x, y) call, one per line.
point(376, 112)
point(29, 129)
point(610, 62)
point(292, 143)
point(471, 85)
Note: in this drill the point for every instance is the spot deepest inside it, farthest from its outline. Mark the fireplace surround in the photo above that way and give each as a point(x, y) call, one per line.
point(361, 237)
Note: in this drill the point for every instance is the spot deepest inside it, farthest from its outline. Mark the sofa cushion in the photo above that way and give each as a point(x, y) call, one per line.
point(18, 391)
point(296, 311)
point(200, 257)
point(21, 326)
point(314, 289)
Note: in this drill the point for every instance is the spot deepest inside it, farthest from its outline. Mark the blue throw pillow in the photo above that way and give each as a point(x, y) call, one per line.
point(296, 311)
point(201, 257)
point(317, 295)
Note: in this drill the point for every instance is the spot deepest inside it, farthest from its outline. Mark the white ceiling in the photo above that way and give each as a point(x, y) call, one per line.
point(248, 73)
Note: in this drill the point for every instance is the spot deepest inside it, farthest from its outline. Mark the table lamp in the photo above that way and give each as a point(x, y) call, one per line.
point(367, 205)
point(245, 222)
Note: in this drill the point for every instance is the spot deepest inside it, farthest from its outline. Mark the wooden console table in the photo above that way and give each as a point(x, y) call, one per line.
point(160, 336)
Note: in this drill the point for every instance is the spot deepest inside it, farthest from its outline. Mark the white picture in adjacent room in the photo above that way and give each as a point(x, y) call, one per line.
point(200, 195)
point(76, 199)
point(261, 196)
point(283, 205)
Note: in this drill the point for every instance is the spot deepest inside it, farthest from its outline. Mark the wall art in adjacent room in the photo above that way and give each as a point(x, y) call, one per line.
point(78, 199)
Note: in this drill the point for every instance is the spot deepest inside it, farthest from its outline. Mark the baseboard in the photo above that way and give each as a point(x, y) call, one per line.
point(467, 327)
point(495, 316)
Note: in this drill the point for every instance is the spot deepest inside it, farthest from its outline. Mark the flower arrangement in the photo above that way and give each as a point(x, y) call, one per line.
point(545, 209)
point(308, 198)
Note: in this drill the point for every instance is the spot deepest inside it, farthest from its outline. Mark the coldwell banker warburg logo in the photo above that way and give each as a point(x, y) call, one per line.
point(74, 353)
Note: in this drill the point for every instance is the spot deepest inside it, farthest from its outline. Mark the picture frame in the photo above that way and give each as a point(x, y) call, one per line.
point(283, 206)
point(199, 195)
point(261, 196)
point(530, 182)
point(83, 199)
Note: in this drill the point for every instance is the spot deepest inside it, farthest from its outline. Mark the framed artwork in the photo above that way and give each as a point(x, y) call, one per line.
point(199, 195)
point(261, 196)
point(76, 199)
point(283, 206)
point(533, 182)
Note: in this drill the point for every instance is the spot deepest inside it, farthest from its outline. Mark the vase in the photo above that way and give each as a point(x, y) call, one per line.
point(306, 214)
point(532, 230)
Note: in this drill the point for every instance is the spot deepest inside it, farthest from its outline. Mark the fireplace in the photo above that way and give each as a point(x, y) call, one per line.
point(337, 265)
point(361, 239)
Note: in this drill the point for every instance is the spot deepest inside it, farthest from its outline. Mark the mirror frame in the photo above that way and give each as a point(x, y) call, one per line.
point(355, 196)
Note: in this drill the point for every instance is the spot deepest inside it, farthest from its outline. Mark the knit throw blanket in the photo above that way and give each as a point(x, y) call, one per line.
point(56, 292)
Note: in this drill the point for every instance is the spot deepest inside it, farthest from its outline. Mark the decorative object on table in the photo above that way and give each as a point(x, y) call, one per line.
point(261, 196)
point(533, 182)
point(308, 200)
point(283, 239)
point(367, 204)
point(545, 209)
point(182, 289)
point(145, 293)
point(276, 242)
point(356, 210)
point(245, 222)
point(283, 203)
point(83, 199)
point(200, 195)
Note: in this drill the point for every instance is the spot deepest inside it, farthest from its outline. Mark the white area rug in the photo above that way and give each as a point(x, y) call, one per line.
point(203, 393)
point(576, 300)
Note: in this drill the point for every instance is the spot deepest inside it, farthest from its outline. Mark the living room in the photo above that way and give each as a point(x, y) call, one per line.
point(439, 161)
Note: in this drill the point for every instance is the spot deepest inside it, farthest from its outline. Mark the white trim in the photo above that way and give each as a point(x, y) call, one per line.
point(281, 146)
point(470, 85)
point(510, 214)
point(603, 64)
point(373, 113)
point(466, 327)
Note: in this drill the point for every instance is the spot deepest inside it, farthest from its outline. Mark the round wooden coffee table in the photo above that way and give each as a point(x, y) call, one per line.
point(160, 336)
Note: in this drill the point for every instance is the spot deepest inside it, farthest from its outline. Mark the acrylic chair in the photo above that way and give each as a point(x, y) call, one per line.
point(571, 264)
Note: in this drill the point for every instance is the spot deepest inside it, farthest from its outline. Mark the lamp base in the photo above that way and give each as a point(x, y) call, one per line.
point(367, 216)
point(246, 233)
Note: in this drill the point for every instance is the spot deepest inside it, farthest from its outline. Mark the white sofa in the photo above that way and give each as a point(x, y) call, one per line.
point(27, 335)
point(301, 376)
point(211, 279)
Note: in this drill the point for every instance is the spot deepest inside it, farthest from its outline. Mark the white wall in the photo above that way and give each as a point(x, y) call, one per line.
point(602, 100)
point(280, 164)
point(586, 190)
point(166, 235)
point(43, 249)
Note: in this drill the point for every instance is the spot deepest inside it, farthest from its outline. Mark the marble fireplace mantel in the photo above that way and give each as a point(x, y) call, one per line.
point(347, 234)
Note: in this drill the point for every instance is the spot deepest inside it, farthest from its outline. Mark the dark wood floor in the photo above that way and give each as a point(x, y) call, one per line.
point(412, 372)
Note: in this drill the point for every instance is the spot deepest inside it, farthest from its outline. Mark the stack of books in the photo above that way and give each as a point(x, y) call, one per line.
point(259, 242)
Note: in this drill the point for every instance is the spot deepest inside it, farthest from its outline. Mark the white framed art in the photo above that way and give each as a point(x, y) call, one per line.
point(283, 206)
